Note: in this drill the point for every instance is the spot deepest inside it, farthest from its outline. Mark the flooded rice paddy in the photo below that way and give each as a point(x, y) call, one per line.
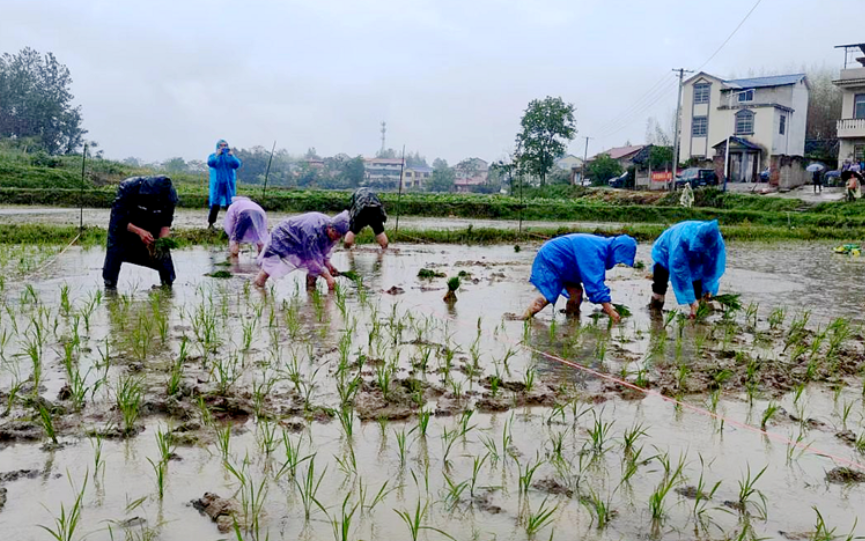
point(218, 411)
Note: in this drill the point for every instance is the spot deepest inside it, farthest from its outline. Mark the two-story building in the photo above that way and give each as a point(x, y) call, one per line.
point(416, 176)
point(762, 119)
point(851, 126)
point(382, 172)
point(470, 173)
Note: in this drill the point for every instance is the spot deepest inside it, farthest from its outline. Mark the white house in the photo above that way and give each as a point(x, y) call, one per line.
point(470, 172)
point(382, 172)
point(569, 162)
point(764, 117)
point(851, 126)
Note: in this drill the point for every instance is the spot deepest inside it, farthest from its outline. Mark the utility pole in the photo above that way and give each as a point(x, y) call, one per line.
point(585, 158)
point(676, 130)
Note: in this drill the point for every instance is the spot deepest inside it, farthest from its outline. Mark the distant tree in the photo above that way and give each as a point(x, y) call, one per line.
point(660, 157)
point(824, 110)
point(132, 161)
point(415, 160)
point(36, 101)
point(547, 126)
point(311, 154)
point(656, 134)
point(196, 166)
point(174, 165)
point(603, 168)
point(387, 153)
point(505, 171)
point(353, 172)
point(442, 178)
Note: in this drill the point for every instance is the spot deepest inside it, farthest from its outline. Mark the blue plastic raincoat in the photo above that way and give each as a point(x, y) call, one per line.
point(580, 259)
point(223, 177)
point(692, 251)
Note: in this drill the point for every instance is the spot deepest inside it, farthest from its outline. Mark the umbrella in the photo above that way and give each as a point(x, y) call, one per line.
point(815, 167)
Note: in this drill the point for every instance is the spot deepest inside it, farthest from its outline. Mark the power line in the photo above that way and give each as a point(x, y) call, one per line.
point(615, 128)
point(733, 33)
point(638, 103)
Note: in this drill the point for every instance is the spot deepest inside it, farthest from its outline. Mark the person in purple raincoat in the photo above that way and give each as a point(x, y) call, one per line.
point(245, 223)
point(303, 242)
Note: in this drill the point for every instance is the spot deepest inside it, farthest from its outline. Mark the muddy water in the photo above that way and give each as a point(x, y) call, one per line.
point(307, 331)
point(197, 218)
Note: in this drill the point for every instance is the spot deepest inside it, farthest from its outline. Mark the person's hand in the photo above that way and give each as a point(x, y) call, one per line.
point(146, 238)
point(614, 315)
point(331, 283)
point(230, 151)
point(694, 307)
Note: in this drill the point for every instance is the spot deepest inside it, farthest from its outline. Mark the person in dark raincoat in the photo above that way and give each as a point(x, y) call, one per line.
point(303, 242)
point(223, 179)
point(569, 264)
point(692, 257)
point(141, 213)
point(365, 209)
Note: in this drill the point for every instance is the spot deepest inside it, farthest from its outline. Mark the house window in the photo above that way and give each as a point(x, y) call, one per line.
point(859, 153)
point(783, 127)
point(700, 126)
point(701, 93)
point(744, 123)
point(859, 106)
point(745, 96)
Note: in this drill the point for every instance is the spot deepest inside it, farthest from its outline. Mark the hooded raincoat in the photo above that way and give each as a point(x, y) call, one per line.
point(692, 251)
point(148, 203)
point(301, 242)
point(223, 177)
point(246, 222)
point(580, 259)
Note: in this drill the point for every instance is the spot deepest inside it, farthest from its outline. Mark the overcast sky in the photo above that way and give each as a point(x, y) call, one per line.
point(450, 77)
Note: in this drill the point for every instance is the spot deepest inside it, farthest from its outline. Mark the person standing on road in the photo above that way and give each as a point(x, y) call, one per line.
point(245, 223)
point(817, 181)
point(365, 209)
point(566, 265)
point(141, 213)
point(223, 179)
point(303, 242)
point(692, 256)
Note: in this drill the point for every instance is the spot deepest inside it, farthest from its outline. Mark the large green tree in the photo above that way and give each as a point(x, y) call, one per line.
point(603, 168)
point(36, 102)
point(547, 127)
point(442, 178)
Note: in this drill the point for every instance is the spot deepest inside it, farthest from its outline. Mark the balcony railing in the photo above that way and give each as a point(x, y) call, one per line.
point(851, 127)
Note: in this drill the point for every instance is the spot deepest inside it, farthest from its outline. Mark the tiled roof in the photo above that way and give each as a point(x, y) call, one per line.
point(620, 152)
point(762, 82)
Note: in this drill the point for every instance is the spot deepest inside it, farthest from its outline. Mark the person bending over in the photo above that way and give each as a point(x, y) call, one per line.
point(245, 223)
point(365, 209)
point(691, 256)
point(141, 213)
point(569, 264)
point(303, 242)
point(223, 179)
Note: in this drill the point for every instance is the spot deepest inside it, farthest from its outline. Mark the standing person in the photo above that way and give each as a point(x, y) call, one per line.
point(141, 213)
point(567, 264)
point(223, 179)
point(852, 181)
point(817, 181)
point(303, 242)
point(365, 209)
point(245, 223)
point(692, 256)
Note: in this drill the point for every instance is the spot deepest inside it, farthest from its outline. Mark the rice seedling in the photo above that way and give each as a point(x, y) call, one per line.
point(308, 487)
point(160, 469)
point(747, 493)
point(423, 423)
point(525, 474)
point(342, 525)
point(402, 444)
point(346, 421)
point(776, 318)
point(672, 478)
point(823, 533)
point(67, 524)
point(599, 435)
point(539, 519)
point(477, 464)
point(769, 413)
point(252, 498)
point(600, 508)
point(702, 495)
point(96, 441)
point(129, 393)
point(266, 435)
point(414, 520)
point(223, 441)
point(377, 499)
point(632, 462)
point(46, 421)
point(453, 492)
point(631, 436)
point(293, 457)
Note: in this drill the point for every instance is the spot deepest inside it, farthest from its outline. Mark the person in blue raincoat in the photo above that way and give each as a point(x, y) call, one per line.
point(692, 257)
point(223, 179)
point(570, 264)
